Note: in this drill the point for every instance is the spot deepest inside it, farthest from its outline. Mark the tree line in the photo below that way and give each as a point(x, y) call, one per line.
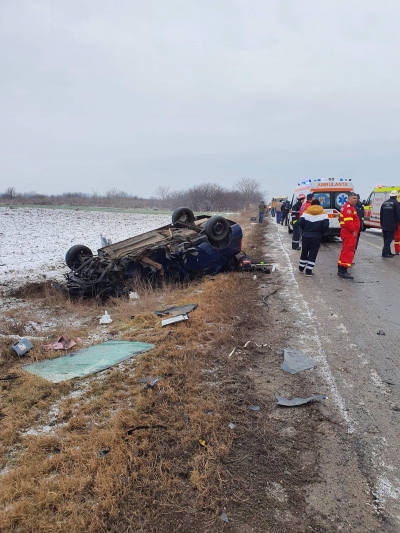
point(207, 197)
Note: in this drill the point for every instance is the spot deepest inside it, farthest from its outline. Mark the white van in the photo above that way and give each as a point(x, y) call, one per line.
point(332, 195)
point(372, 206)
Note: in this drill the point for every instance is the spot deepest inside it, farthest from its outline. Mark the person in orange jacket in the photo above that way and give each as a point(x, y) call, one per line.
point(350, 226)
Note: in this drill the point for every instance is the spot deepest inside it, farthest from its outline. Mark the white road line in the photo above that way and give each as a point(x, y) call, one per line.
point(323, 367)
point(384, 488)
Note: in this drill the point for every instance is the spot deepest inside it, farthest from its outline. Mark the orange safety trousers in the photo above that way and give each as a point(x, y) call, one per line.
point(397, 240)
point(349, 242)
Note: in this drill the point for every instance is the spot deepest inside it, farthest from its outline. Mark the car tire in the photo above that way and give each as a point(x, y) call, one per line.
point(77, 255)
point(182, 214)
point(216, 228)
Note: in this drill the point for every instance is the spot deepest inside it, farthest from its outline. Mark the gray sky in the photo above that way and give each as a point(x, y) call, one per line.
point(135, 94)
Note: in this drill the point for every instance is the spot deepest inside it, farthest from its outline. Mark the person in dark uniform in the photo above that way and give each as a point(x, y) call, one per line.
point(360, 212)
point(285, 212)
point(390, 218)
point(295, 221)
point(314, 222)
point(261, 210)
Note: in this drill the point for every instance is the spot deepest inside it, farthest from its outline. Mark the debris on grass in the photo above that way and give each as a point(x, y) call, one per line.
point(256, 345)
point(133, 295)
point(177, 310)
point(9, 377)
point(254, 407)
point(294, 402)
point(224, 517)
point(172, 320)
point(295, 361)
point(87, 361)
point(150, 384)
point(105, 319)
point(62, 344)
point(22, 346)
point(231, 426)
point(151, 381)
point(104, 452)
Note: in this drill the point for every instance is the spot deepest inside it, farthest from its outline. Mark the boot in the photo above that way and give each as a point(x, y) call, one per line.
point(345, 275)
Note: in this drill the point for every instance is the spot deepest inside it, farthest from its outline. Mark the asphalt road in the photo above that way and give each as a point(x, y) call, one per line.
point(338, 323)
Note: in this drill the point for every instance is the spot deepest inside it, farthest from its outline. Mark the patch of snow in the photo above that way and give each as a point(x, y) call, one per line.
point(33, 242)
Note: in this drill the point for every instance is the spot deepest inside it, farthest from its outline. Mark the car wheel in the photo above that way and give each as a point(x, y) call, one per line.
point(216, 228)
point(182, 214)
point(77, 255)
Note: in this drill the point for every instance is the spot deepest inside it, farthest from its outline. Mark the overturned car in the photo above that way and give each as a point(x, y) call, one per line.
point(188, 248)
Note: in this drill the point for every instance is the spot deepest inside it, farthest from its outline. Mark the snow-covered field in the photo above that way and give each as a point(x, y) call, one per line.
point(33, 242)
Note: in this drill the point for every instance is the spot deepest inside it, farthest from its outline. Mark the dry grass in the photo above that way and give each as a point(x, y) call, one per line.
point(167, 451)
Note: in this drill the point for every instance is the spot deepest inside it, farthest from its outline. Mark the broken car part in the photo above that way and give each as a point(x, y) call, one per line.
point(295, 361)
point(177, 310)
point(173, 319)
point(281, 400)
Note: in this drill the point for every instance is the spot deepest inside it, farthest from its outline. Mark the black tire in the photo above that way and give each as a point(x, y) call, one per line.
point(77, 255)
point(216, 228)
point(183, 214)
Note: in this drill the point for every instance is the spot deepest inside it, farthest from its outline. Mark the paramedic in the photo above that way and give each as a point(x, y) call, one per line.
point(350, 226)
point(390, 218)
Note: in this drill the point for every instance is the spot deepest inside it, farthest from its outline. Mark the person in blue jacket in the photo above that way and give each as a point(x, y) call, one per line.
point(314, 222)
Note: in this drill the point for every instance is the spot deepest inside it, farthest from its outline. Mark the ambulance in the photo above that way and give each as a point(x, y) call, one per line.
point(332, 194)
point(372, 206)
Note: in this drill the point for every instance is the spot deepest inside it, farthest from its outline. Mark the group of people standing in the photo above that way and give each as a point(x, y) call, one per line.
point(310, 222)
point(279, 209)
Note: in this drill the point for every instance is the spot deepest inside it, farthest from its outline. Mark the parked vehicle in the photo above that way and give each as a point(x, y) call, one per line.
point(332, 195)
point(372, 206)
point(189, 247)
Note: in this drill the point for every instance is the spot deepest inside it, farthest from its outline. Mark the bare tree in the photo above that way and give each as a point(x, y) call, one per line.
point(162, 192)
point(250, 190)
point(10, 192)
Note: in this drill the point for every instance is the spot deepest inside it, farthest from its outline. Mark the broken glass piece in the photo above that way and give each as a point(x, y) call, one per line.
point(87, 361)
point(295, 361)
point(280, 400)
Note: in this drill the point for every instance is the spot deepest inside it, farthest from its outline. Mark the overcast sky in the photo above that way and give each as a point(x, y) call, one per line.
point(134, 94)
